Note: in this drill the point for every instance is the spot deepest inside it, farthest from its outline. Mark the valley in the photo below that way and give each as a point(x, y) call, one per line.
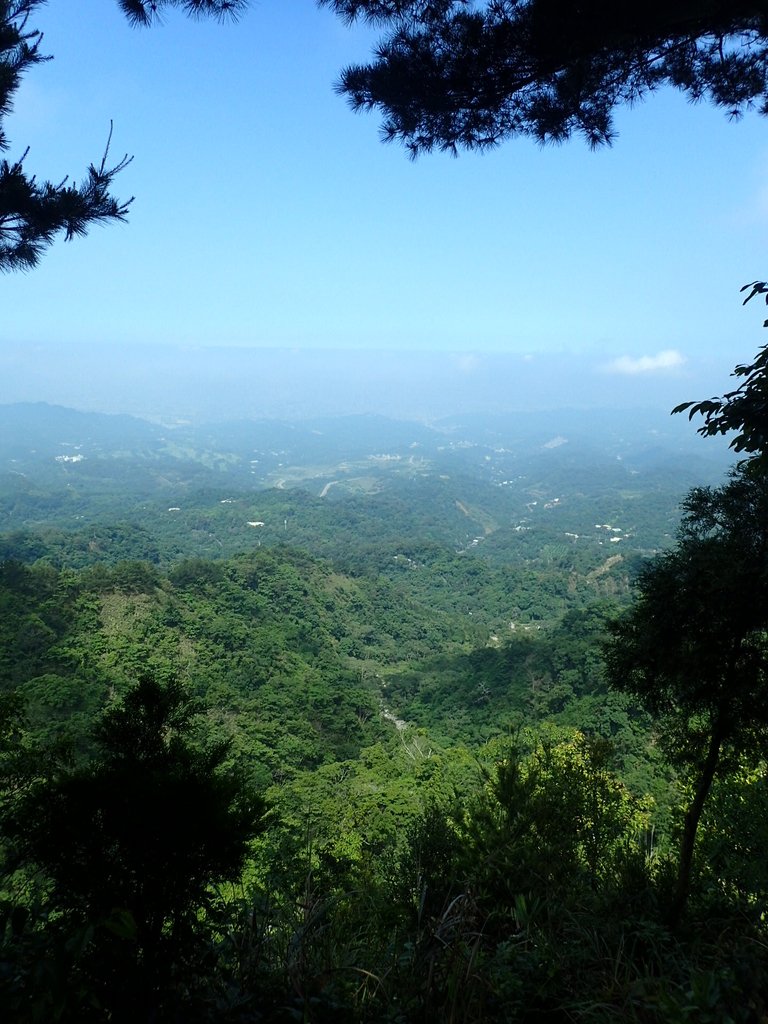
point(374, 622)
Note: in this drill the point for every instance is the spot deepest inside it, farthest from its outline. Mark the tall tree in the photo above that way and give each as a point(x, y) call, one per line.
point(32, 212)
point(694, 647)
point(452, 74)
point(132, 842)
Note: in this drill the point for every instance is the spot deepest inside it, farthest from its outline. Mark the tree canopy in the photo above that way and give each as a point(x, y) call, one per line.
point(451, 74)
point(132, 841)
point(693, 648)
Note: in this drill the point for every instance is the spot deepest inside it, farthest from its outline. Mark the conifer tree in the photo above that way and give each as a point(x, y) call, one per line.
point(130, 844)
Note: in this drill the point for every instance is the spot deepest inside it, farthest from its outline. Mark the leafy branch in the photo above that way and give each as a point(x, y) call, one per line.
point(745, 409)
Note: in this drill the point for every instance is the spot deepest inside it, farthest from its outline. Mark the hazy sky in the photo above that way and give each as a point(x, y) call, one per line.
point(268, 215)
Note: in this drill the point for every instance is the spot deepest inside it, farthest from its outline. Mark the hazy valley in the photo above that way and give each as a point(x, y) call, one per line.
point(373, 617)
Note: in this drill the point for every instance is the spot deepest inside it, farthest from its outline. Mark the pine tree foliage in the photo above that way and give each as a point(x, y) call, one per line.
point(32, 212)
point(451, 74)
point(145, 12)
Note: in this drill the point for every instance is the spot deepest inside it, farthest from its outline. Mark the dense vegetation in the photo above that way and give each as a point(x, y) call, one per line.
point(385, 773)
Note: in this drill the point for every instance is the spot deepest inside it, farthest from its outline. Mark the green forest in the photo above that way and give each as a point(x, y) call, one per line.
point(434, 749)
point(356, 720)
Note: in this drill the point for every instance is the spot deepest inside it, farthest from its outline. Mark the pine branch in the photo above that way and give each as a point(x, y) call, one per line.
point(32, 213)
point(149, 12)
point(450, 74)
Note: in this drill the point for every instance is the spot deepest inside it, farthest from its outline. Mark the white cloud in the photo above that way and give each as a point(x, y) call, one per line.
point(669, 359)
point(466, 363)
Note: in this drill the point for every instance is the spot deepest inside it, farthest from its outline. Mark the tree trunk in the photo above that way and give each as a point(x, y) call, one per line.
point(692, 818)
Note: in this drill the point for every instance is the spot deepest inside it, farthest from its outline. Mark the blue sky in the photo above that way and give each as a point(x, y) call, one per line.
point(268, 215)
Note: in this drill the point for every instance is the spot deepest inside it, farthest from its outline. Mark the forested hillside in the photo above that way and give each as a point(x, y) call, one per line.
point(387, 772)
point(392, 663)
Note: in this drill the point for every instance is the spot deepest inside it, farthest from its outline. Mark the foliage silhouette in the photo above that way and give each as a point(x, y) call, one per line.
point(147, 12)
point(33, 213)
point(745, 409)
point(694, 647)
point(132, 842)
point(450, 74)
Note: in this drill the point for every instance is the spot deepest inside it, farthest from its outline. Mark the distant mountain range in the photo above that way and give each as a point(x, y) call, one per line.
point(50, 441)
